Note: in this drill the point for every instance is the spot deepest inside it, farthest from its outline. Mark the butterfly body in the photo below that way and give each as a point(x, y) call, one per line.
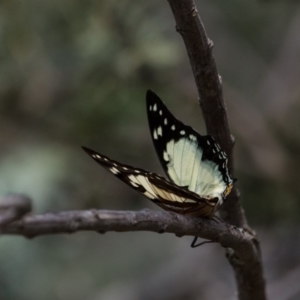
point(195, 165)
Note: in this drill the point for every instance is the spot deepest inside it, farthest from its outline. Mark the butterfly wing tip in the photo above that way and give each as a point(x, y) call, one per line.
point(151, 96)
point(87, 150)
point(149, 92)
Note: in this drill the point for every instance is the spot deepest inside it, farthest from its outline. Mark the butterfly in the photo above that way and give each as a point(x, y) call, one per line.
point(196, 167)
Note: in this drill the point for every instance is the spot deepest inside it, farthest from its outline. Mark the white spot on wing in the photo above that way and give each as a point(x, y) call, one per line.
point(160, 192)
point(154, 107)
point(142, 180)
point(134, 184)
point(166, 156)
point(114, 170)
point(186, 200)
point(160, 112)
point(174, 197)
point(173, 127)
point(182, 132)
point(208, 142)
point(133, 178)
point(192, 137)
point(149, 195)
point(166, 121)
point(159, 131)
point(155, 135)
point(150, 107)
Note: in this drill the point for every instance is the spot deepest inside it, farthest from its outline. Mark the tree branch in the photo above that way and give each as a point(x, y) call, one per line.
point(199, 49)
point(249, 274)
point(239, 243)
point(121, 221)
point(228, 236)
point(12, 208)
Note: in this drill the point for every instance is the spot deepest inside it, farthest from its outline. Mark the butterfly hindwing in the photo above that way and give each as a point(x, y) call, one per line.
point(166, 194)
point(188, 158)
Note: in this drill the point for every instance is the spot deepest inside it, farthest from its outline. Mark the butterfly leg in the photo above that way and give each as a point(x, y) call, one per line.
point(193, 244)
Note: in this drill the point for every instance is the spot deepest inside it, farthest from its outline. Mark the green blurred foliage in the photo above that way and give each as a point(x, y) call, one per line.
point(76, 72)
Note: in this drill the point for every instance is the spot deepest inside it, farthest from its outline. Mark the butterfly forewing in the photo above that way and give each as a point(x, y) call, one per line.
point(189, 159)
point(166, 194)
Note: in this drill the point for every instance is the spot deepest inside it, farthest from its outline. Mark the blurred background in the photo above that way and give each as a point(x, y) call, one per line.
point(75, 73)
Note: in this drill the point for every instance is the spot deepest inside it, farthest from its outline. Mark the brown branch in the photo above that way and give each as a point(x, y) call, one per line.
point(102, 221)
point(12, 208)
point(229, 236)
point(249, 274)
point(30, 226)
point(199, 49)
point(157, 221)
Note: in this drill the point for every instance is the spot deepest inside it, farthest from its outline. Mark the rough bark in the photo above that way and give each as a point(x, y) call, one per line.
point(248, 273)
point(102, 221)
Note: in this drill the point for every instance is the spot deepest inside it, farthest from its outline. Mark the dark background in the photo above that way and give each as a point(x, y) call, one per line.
point(75, 73)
